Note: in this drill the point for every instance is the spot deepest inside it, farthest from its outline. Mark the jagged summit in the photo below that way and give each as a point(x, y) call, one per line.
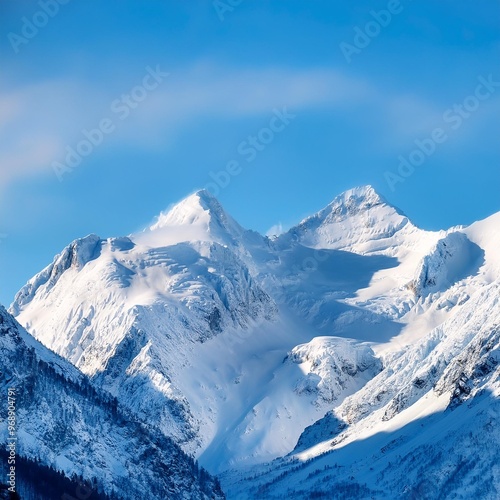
point(198, 217)
point(350, 203)
point(360, 192)
point(361, 196)
point(351, 221)
point(198, 207)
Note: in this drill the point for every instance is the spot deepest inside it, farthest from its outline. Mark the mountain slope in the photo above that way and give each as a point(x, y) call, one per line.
point(141, 314)
point(64, 423)
point(246, 349)
point(358, 219)
point(128, 315)
point(417, 428)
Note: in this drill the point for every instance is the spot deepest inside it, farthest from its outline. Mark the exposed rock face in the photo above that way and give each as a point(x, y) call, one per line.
point(64, 423)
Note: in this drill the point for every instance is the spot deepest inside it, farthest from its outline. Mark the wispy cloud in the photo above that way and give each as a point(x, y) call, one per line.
point(205, 91)
point(275, 230)
point(38, 121)
point(27, 158)
point(35, 122)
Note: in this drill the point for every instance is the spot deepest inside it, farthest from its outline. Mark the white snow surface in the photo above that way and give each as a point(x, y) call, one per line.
point(65, 424)
point(340, 334)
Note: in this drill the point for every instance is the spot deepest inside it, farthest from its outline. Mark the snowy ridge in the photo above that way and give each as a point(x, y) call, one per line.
point(453, 258)
point(294, 357)
point(332, 363)
point(75, 255)
point(354, 220)
point(430, 408)
point(199, 209)
point(129, 320)
point(66, 424)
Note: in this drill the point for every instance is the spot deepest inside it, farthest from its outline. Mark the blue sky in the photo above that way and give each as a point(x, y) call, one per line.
point(232, 67)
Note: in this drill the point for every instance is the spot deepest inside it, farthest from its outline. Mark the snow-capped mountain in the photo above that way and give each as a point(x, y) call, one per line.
point(344, 333)
point(133, 309)
point(359, 220)
point(427, 426)
point(63, 423)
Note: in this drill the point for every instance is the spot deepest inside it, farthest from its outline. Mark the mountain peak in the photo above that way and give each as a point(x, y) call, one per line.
point(366, 189)
point(348, 204)
point(357, 199)
point(205, 195)
point(197, 208)
point(202, 198)
point(353, 219)
point(198, 217)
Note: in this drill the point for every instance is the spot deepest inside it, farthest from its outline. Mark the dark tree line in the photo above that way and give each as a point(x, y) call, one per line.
point(35, 481)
